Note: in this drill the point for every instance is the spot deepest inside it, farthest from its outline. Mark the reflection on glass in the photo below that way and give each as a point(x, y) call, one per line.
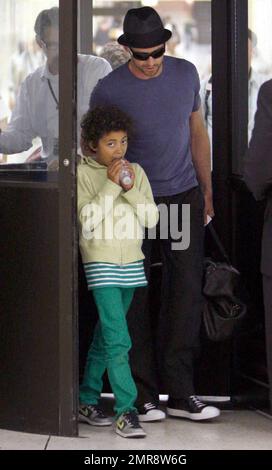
point(260, 52)
point(30, 86)
point(90, 69)
point(255, 79)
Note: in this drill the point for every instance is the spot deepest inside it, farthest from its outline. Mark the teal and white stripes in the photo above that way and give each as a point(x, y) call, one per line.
point(108, 274)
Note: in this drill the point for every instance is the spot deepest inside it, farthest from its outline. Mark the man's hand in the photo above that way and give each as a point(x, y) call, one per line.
point(208, 208)
point(200, 147)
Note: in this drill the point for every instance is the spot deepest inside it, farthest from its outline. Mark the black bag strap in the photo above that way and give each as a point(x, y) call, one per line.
point(218, 243)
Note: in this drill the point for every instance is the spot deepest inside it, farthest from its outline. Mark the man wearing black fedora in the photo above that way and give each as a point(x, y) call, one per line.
point(170, 142)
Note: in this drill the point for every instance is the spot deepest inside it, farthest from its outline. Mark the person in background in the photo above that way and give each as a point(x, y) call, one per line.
point(171, 144)
point(26, 60)
point(115, 54)
point(258, 177)
point(36, 112)
point(102, 35)
point(175, 39)
point(255, 80)
point(113, 260)
point(4, 114)
point(190, 32)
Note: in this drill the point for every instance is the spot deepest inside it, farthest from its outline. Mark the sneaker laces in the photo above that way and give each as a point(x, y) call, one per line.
point(149, 406)
point(197, 402)
point(96, 410)
point(131, 417)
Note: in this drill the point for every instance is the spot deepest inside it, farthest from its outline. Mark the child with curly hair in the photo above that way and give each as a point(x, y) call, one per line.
point(112, 215)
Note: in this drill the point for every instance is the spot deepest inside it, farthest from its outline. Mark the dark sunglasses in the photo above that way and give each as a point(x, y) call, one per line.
point(145, 55)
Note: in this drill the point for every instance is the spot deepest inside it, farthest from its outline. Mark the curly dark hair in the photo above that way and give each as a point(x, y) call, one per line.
point(101, 121)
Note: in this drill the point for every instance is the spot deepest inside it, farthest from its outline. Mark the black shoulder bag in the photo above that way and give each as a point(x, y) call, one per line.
point(223, 307)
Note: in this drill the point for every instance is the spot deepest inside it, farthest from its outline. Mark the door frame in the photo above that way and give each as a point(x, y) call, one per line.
point(39, 367)
point(68, 246)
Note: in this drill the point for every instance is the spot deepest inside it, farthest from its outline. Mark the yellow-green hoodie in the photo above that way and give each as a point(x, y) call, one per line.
point(104, 208)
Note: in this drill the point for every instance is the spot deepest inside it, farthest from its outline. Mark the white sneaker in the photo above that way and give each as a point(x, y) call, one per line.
point(150, 412)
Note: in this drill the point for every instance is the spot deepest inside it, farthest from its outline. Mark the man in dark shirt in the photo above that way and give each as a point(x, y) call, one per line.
point(258, 177)
point(170, 142)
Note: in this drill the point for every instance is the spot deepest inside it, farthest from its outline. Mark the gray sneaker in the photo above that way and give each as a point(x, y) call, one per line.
point(93, 415)
point(127, 425)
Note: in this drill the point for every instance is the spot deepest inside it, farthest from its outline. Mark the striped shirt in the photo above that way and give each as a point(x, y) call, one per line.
point(115, 275)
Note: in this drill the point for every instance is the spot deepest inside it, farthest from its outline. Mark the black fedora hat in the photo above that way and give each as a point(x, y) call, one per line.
point(143, 27)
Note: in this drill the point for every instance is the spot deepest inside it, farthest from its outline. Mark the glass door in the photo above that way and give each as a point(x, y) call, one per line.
point(260, 52)
point(38, 232)
point(252, 348)
point(29, 134)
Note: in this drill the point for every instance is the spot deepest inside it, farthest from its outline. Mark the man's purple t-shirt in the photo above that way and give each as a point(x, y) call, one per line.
point(160, 108)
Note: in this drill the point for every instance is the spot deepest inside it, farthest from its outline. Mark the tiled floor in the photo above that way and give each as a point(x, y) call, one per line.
point(242, 430)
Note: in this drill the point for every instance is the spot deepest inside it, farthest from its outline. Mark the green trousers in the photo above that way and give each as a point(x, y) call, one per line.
point(109, 351)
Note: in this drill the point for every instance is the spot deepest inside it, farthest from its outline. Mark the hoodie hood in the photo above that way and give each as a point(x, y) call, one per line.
point(91, 161)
